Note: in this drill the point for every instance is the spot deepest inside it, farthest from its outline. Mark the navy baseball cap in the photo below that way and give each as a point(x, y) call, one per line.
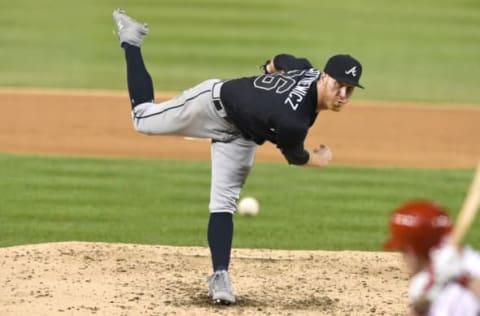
point(344, 68)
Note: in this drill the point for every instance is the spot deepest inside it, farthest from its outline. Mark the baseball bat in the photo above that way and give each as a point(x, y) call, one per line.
point(468, 211)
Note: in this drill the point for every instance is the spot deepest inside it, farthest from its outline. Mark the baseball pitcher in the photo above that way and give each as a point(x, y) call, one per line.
point(237, 115)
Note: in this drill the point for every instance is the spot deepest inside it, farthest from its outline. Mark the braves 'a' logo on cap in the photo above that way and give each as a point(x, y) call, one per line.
point(352, 71)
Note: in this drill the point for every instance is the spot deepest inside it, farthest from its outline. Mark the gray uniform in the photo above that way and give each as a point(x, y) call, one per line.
point(194, 114)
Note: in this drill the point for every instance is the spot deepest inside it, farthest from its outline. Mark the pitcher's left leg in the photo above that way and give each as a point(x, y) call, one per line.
point(231, 164)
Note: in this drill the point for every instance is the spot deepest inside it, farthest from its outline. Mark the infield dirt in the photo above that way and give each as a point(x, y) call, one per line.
point(112, 279)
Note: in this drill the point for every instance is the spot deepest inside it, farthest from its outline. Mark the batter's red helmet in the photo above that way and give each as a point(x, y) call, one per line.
point(418, 225)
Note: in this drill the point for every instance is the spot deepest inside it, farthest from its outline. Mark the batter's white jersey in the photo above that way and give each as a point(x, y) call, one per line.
point(456, 300)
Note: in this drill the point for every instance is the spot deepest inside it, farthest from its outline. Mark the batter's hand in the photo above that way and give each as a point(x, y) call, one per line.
point(445, 267)
point(446, 263)
point(320, 156)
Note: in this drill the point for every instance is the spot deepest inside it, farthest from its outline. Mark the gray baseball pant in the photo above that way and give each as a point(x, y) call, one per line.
point(194, 114)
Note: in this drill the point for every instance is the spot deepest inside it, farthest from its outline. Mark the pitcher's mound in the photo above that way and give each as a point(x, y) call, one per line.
point(79, 278)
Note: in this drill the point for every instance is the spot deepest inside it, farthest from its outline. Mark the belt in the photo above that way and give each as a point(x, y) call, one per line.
point(217, 102)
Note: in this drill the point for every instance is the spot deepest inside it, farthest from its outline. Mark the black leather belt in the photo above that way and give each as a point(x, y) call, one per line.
point(218, 105)
point(217, 102)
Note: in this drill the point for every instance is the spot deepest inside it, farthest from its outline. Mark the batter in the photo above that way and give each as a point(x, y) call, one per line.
point(445, 280)
point(237, 115)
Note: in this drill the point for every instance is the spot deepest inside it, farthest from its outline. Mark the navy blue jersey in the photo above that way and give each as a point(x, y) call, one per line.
point(278, 107)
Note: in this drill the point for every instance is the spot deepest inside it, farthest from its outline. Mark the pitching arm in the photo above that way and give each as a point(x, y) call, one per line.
point(320, 156)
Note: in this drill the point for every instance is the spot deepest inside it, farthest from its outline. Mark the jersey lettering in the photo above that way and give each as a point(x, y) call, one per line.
point(294, 99)
point(296, 96)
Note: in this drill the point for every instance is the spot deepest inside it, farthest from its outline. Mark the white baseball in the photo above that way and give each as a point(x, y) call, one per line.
point(248, 206)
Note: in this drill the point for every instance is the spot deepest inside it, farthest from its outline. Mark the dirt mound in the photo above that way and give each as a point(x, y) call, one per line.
point(122, 279)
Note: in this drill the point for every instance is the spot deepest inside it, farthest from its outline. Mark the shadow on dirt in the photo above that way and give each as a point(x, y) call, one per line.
point(197, 297)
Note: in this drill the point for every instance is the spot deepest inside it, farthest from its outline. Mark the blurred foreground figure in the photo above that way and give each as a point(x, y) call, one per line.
point(445, 279)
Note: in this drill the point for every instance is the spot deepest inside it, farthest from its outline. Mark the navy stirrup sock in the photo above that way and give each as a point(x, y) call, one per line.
point(140, 86)
point(220, 235)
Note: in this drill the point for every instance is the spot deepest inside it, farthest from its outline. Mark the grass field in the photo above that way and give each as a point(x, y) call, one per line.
point(411, 50)
point(422, 50)
point(165, 202)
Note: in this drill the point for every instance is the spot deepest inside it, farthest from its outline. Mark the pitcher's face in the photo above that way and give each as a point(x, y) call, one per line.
point(332, 94)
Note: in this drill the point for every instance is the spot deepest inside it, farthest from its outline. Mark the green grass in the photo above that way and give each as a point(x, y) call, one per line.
point(423, 50)
point(46, 199)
